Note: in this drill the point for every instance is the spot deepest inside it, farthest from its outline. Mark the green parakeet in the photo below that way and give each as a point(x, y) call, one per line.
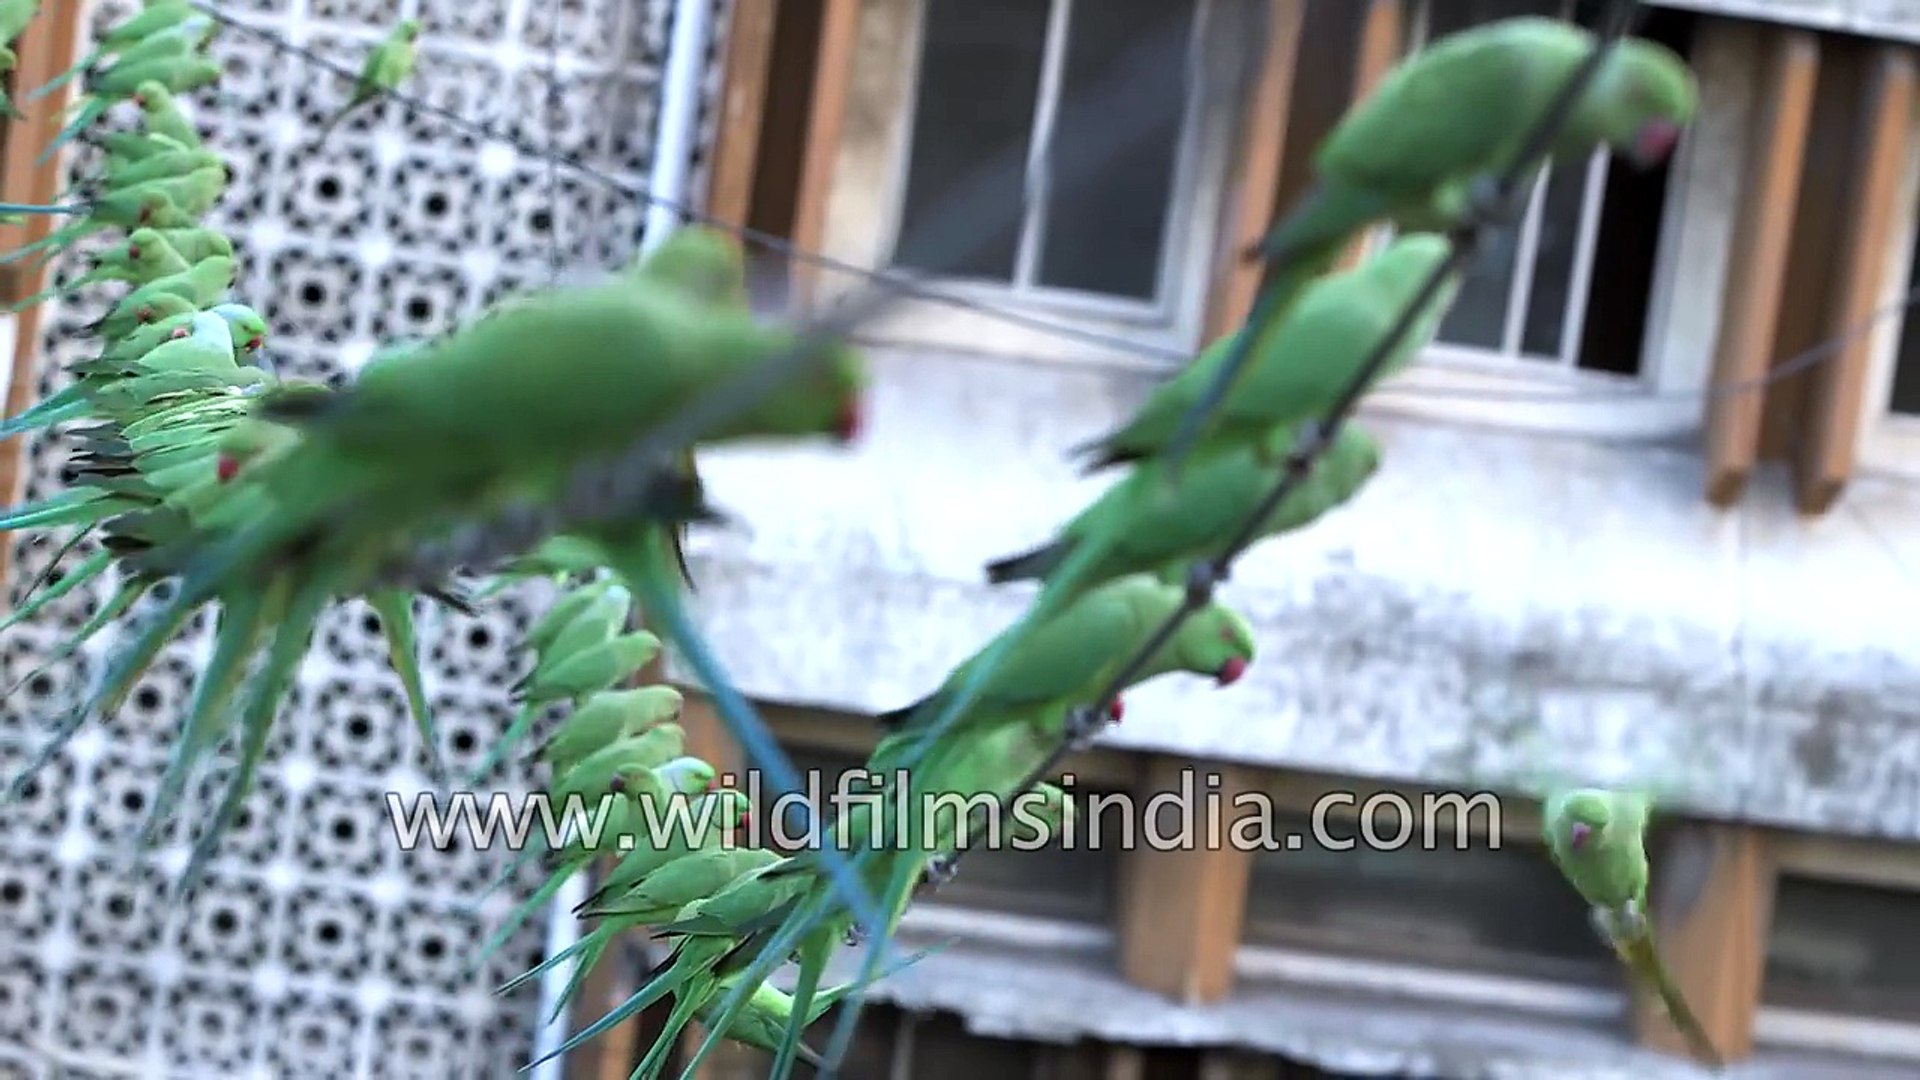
point(1154, 523)
point(1598, 840)
point(1298, 368)
point(384, 69)
point(1461, 109)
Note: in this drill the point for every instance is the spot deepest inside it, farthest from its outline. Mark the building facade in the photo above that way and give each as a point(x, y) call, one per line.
point(1647, 515)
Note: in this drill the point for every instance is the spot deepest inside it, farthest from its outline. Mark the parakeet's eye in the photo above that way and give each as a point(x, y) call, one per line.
point(145, 314)
point(133, 251)
point(617, 785)
point(1230, 671)
point(1578, 833)
point(140, 100)
point(146, 214)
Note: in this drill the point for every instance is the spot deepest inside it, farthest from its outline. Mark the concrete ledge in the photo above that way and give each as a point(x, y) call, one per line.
point(1494, 606)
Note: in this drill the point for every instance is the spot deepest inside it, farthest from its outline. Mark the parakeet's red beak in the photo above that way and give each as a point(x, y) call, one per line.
point(1116, 710)
point(1654, 141)
point(847, 425)
point(1230, 672)
point(1578, 833)
point(178, 333)
point(226, 468)
point(254, 343)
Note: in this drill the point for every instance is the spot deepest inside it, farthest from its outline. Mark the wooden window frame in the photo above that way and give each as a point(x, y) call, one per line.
point(1850, 861)
point(1881, 442)
point(1649, 406)
point(859, 208)
point(48, 46)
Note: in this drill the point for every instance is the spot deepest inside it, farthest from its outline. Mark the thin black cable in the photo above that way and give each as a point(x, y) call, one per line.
point(1205, 575)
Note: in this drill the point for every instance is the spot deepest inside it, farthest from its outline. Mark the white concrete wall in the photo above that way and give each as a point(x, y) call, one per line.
point(1895, 19)
point(1492, 604)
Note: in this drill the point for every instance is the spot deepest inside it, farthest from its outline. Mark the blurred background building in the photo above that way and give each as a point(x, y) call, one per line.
point(1577, 557)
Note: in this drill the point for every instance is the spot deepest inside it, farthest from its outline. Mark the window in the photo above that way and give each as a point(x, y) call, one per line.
point(1843, 947)
point(1019, 77)
point(1502, 910)
point(1566, 291)
point(1891, 433)
point(1072, 878)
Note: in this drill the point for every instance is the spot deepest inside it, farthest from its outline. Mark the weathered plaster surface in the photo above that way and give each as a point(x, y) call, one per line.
point(1493, 605)
point(1066, 997)
point(1896, 19)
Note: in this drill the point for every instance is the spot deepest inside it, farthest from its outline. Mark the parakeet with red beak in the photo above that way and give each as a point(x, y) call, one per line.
point(1068, 658)
point(1598, 840)
point(1155, 520)
point(1461, 109)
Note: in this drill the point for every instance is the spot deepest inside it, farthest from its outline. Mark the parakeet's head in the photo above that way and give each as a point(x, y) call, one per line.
point(154, 205)
point(1650, 96)
point(826, 399)
point(152, 95)
point(1215, 641)
point(408, 30)
point(8, 61)
point(144, 244)
point(704, 262)
point(687, 775)
point(249, 329)
point(164, 306)
point(1584, 817)
point(210, 326)
point(663, 704)
point(731, 807)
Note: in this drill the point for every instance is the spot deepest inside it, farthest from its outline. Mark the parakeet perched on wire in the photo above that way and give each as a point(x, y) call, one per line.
point(385, 68)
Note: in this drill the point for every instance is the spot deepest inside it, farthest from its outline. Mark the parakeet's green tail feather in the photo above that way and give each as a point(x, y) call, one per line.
point(905, 876)
point(64, 77)
point(50, 243)
point(117, 605)
point(290, 642)
point(69, 402)
point(522, 913)
point(661, 981)
point(395, 608)
point(1642, 956)
point(1026, 566)
point(530, 851)
point(685, 1007)
point(812, 960)
point(123, 671)
point(74, 506)
point(96, 564)
point(235, 639)
point(584, 944)
point(516, 731)
point(582, 967)
point(46, 573)
point(90, 112)
point(1319, 226)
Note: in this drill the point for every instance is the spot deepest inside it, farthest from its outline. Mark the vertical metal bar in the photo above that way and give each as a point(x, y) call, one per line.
point(1526, 254)
point(1592, 202)
point(1046, 109)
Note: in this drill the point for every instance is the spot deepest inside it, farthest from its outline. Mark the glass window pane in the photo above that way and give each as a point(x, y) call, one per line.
point(1108, 237)
point(979, 77)
point(1448, 16)
point(1478, 317)
point(1553, 262)
point(1503, 909)
point(1845, 948)
point(1072, 877)
point(1906, 372)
